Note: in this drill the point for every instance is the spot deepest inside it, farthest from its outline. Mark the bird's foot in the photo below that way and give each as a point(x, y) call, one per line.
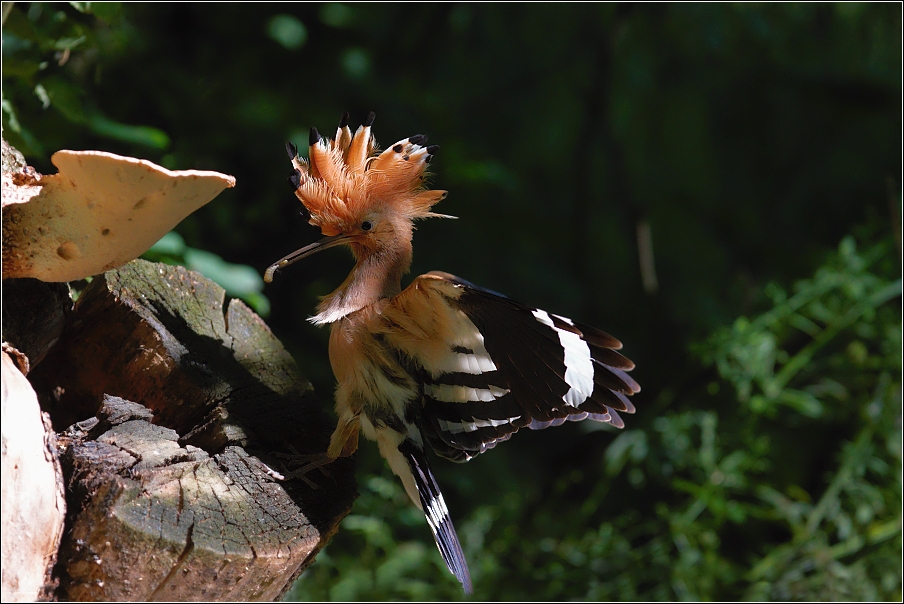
point(298, 465)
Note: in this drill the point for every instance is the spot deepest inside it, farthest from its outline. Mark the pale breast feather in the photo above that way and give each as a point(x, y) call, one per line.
point(531, 369)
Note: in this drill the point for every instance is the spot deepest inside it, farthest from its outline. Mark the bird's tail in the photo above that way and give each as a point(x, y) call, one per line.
point(437, 514)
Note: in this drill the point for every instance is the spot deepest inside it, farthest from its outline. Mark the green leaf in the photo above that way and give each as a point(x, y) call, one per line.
point(802, 402)
point(108, 11)
point(146, 136)
point(41, 93)
point(66, 98)
point(236, 279)
point(629, 445)
point(288, 31)
point(171, 244)
point(10, 114)
point(69, 43)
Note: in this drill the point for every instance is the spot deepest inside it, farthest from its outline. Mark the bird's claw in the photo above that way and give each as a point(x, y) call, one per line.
point(307, 463)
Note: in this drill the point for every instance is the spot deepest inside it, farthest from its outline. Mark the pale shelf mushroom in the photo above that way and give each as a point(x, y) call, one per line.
point(100, 211)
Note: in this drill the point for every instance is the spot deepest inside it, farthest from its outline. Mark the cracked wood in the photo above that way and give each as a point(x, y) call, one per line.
point(187, 400)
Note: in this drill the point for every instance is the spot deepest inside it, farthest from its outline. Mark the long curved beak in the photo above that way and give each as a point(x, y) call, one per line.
point(325, 243)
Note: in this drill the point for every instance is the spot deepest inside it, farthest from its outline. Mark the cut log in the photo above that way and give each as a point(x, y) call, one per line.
point(33, 504)
point(190, 526)
point(34, 314)
point(169, 496)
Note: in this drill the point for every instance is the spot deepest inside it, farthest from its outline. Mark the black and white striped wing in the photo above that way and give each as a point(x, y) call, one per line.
point(491, 366)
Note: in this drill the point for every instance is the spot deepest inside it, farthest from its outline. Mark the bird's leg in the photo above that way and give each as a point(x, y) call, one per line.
point(304, 464)
point(343, 443)
point(270, 471)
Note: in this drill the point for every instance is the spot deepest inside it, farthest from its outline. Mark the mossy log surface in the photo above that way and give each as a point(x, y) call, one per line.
point(179, 411)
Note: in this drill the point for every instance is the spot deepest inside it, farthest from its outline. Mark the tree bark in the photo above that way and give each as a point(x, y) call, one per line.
point(174, 405)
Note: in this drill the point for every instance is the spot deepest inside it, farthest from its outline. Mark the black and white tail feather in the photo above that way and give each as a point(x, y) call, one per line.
point(434, 508)
point(506, 366)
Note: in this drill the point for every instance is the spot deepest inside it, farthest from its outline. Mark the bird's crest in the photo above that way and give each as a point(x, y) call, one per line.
point(345, 178)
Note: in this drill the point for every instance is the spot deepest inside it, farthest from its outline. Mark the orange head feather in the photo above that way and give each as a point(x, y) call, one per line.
point(346, 179)
point(360, 197)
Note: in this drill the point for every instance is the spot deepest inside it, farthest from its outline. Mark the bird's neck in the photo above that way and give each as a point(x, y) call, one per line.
point(375, 277)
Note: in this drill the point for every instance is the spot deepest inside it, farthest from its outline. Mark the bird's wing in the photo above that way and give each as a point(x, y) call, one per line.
point(491, 365)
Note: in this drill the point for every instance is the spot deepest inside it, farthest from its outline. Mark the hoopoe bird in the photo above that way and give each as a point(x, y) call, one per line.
point(443, 363)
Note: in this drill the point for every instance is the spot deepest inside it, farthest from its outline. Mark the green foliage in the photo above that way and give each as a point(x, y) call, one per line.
point(832, 354)
point(38, 42)
point(239, 280)
point(838, 298)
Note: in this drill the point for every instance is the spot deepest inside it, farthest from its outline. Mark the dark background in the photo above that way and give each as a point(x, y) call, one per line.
point(750, 140)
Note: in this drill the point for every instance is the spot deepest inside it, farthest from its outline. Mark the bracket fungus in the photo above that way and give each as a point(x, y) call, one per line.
point(100, 211)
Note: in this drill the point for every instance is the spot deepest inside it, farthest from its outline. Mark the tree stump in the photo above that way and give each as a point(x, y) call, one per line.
point(168, 493)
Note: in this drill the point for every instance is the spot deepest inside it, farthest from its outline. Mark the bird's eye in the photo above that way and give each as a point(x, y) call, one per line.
point(367, 225)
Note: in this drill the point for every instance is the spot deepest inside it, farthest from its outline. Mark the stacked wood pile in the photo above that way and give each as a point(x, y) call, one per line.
point(165, 420)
